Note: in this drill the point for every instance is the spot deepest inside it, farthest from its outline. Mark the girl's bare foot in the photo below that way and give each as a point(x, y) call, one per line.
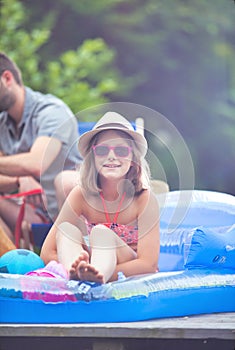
point(73, 272)
point(87, 272)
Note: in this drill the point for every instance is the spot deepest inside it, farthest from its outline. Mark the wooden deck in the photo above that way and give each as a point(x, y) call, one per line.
point(201, 332)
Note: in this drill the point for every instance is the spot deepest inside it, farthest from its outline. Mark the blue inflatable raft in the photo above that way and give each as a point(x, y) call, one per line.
point(197, 273)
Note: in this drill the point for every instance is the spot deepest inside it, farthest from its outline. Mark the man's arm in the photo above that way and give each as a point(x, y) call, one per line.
point(33, 163)
point(8, 183)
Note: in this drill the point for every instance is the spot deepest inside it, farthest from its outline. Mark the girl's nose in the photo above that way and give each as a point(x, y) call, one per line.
point(111, 154)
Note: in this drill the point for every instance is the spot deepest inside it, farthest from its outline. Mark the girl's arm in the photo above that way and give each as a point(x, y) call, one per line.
point(149, 239)
point(70, 212)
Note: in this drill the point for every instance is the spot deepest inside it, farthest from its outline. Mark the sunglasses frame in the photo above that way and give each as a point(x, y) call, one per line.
point(109, 149)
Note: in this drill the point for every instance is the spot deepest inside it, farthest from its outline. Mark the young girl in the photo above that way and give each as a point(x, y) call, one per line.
point(112, 206)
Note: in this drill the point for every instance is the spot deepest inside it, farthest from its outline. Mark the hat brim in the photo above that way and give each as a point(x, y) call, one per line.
point(85, 139)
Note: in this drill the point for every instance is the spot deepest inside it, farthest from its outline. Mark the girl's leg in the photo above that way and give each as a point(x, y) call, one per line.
point(103, 256)
point(108, 250)
point(70, 242)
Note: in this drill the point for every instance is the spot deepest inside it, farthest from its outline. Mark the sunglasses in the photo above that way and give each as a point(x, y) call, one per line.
point(119, 151)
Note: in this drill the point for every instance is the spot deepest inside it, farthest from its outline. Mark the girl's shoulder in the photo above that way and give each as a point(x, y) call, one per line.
point(82, 198)
point(76, 196)
point(76, 191)
point(146, 197)
point(143, 196)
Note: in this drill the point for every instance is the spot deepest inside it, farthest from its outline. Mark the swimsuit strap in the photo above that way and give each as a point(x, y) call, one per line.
point(118, 209)
point(105, 208)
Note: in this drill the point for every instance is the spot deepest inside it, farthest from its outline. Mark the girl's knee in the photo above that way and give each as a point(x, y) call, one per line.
point(70, 231)
point(64, 226)
point(100, 227)
point(102, 235)
point(100, 230)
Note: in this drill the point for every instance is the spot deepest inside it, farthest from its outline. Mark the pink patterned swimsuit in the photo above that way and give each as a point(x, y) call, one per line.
point(128, 233)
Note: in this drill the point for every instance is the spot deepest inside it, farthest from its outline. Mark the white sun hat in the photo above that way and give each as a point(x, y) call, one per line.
point(112, 121)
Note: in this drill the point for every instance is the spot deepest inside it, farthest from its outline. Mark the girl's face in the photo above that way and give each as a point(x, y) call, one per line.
point(113, 154)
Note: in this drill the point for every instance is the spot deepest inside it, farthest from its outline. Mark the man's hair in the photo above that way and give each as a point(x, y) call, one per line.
point(7, 64)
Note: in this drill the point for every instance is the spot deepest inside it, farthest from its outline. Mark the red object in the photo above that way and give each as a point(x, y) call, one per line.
point(23, 195)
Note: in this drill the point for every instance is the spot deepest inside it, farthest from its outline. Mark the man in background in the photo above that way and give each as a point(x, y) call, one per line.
point(38, 140)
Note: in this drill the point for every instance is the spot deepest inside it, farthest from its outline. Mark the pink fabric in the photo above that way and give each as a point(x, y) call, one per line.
point(52, 269)
point(129, 234)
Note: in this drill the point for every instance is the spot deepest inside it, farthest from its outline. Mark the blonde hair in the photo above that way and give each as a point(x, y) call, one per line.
point(138, 175)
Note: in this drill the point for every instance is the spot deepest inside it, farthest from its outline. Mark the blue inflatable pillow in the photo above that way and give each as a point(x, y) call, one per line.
point(209, 249)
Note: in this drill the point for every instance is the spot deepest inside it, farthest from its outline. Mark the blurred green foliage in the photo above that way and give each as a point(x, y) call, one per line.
point(81, 77)
point(174, 56)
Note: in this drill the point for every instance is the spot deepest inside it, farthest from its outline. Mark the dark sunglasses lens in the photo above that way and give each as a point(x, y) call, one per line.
point(101, 150)
point(121, 151)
